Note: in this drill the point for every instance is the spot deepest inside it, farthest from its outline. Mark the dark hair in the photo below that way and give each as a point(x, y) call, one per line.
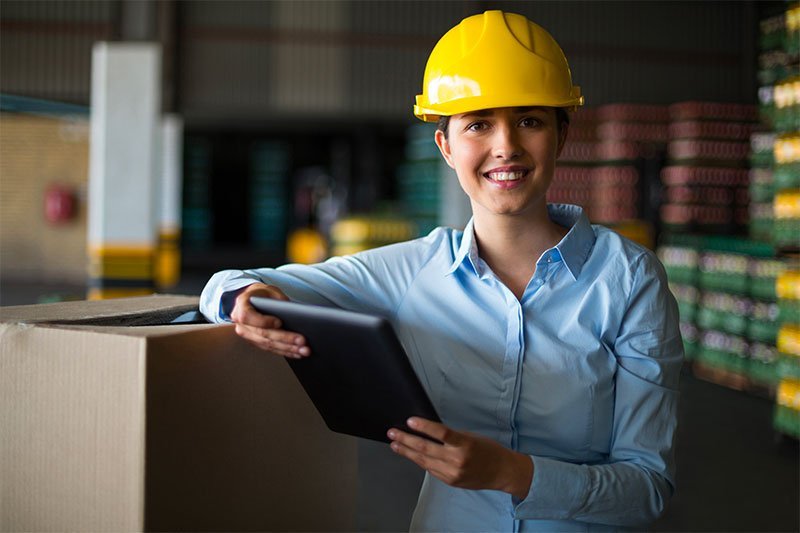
point(562, 117)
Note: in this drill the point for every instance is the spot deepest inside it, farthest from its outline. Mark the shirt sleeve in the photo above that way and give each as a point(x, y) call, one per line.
point(373, 281)
point(633, 486)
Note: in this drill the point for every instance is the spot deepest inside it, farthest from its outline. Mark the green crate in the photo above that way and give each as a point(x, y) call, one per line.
point(690, 350)
point(760, 229)
point(786, 420)
point(761, 192)
point(786, 232)
point(763, 288)
point(706, 318)
point(765, 331)
point(786, 176)
point(788, 366)
point(687, 311)
point(763, 372)
point(762, 159)
point(786, 120)
point(724, 282)
point(789, 311)
point(722, 359)
point(681, 274)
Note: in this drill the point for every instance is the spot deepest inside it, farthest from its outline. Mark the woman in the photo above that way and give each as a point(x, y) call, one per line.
point(549, 347)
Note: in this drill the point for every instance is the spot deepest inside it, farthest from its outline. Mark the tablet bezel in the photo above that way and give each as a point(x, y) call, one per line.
point(382, 392)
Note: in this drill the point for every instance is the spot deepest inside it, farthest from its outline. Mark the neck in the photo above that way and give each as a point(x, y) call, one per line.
point(523, 237)
point(511, 245)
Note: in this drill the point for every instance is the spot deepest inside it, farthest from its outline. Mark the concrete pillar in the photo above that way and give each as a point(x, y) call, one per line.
point(125, 106)
point(168, 258)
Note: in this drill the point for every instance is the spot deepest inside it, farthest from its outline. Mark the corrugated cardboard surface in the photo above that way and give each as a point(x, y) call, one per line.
point(159, 428)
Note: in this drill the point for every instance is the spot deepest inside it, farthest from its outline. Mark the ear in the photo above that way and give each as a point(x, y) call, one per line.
point(444, 147)
point(562, 137)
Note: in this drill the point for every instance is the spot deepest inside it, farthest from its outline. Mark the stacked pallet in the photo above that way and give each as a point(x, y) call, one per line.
point(725, 288)
point(358, 233)
point(269, 174)
point(706, 178)
point(787, 408)
point(197, 219)
point(419, 178)
point(600, 167)
point(777, 151)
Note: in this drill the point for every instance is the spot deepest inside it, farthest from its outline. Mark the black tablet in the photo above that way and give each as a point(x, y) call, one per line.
point(358, 375)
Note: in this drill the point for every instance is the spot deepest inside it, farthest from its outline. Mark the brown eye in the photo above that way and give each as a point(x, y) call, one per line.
point(477, 126)
point(530, 122)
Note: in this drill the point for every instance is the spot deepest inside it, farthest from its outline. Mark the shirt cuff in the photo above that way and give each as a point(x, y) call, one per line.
point(558, 491)
point(217, 298)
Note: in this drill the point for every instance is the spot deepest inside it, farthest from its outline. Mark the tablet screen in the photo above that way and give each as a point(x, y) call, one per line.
point(358, 376)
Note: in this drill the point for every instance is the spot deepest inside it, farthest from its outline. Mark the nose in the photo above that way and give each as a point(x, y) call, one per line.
point(506, 144)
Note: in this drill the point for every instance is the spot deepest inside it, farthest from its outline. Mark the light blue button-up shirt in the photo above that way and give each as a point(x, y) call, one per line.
point(581, 373)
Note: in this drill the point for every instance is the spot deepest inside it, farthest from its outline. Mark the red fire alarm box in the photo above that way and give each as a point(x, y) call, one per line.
point(59, 204)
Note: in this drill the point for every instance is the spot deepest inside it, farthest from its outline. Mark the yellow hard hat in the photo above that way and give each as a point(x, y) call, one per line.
point(495, 60)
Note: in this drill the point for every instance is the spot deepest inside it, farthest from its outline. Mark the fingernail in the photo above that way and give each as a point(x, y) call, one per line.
point(392, 434)
point(303, 351)
point(412, 422)
point(298, 340)
point(395, 446)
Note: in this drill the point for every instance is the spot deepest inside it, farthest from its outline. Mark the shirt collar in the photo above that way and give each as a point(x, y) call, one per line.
point(573, 248)
point(467, 249)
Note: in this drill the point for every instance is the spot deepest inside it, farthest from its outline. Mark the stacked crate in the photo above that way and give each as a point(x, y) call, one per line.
point(786, 179)
point(724, 309)
point(573, 178)
point(197, 217)
point(601, 167)
point(269, 169)
point(706, 178)
point(777, 150)
point(761, 188)
point(419, 178)
point(725, 288)
point(764, 320)
point(787, 408)
point(632, 139)
point(681, 261)
point(358, 233)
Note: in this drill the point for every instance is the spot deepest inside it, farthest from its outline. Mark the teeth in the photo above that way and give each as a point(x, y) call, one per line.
point(507, 176)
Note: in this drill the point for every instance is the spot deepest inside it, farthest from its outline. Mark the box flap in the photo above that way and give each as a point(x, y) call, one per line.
point(107, 315)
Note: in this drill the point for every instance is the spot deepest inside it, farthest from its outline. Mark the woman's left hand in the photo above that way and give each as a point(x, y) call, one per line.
point(464, 460)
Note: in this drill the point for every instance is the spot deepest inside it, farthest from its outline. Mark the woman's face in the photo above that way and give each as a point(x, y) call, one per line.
point(504, 157)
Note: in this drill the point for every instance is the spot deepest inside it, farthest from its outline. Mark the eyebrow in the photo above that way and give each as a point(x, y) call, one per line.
point(517, 110)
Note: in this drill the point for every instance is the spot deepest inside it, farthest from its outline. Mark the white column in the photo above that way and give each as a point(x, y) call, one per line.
point(168, 261)
point(125, 105)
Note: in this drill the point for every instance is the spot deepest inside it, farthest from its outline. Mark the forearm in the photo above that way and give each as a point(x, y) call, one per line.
point(348, 283)
point(516, 480)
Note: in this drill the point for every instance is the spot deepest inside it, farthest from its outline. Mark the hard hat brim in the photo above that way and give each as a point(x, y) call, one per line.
point(432, 113)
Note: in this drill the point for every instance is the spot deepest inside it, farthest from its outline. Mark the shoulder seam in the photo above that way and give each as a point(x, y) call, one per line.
point(634, 268)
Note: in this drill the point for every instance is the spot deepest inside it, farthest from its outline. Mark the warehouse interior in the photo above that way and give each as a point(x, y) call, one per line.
point(282, 131)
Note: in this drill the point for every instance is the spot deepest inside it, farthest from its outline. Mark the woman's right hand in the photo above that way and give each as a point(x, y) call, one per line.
point(264, 331)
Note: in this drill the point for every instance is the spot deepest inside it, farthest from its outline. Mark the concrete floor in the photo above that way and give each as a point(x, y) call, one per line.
point(734, 472)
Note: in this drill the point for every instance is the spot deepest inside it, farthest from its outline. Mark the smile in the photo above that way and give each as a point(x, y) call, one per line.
point(506, 176)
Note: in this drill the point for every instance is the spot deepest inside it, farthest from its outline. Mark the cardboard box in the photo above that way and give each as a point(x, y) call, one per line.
point(107, 426)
